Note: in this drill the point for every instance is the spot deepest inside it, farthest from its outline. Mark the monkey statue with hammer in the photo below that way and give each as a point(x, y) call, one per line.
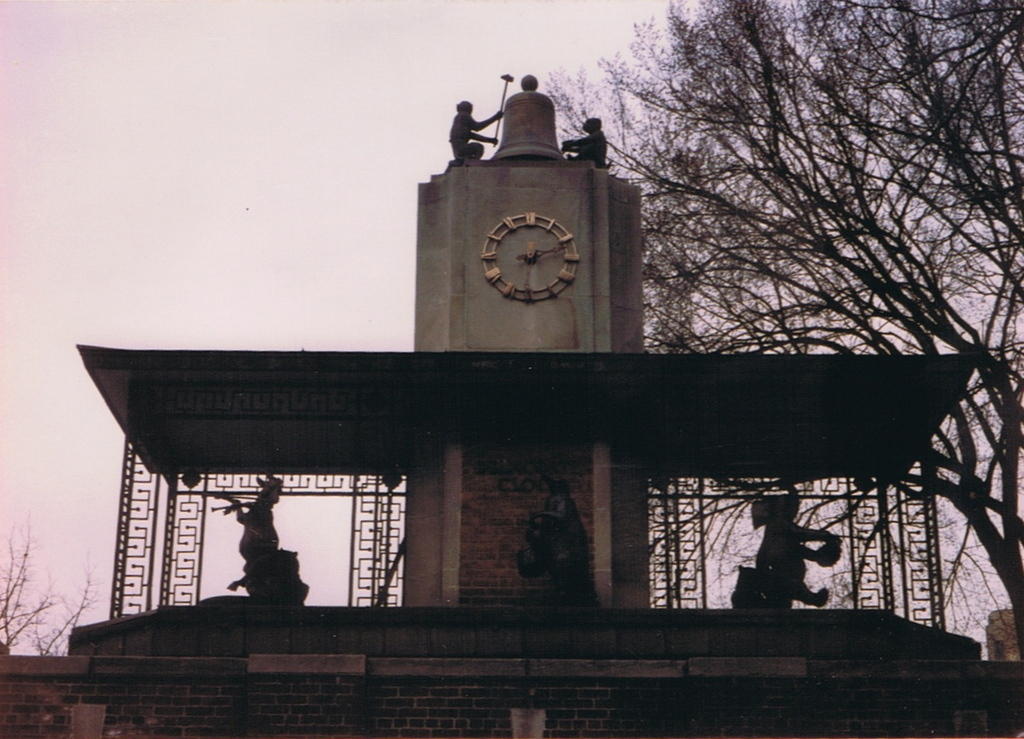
point(463, 136)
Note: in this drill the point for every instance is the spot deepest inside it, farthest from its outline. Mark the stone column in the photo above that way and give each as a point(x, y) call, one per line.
point(433, 515)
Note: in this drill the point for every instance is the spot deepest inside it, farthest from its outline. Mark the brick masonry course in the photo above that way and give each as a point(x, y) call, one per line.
point(350, 695)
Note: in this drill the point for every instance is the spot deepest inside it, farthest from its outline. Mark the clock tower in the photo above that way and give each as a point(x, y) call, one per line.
point(547, 507)
point(528, 251)
point(527, 257)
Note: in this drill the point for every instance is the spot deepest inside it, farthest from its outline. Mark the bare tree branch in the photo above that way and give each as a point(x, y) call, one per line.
point(842, 176)
point(31, 612)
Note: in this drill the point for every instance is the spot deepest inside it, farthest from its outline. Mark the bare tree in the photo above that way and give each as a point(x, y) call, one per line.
point(843, 176)
point(33, 613)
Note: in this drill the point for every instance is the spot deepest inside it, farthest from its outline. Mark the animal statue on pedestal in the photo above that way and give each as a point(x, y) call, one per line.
point(778, 577)
point(556, 544)
point(591, 148)
point(463, 136)
point(271, 574)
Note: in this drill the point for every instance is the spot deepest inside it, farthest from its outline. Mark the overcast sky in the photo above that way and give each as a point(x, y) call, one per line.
point(222, 175)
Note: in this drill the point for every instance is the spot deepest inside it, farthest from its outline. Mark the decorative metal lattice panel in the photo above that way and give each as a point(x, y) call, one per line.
point(185, 524)
point(701, 532)
point(920, 561)
point(377, 525)
point(676, 519)
point(246, 485)
point(378, 536)
point(135, 546)
point(870, 546)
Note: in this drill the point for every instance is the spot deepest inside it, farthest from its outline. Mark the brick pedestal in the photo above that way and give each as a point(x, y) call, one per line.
point(470, 502)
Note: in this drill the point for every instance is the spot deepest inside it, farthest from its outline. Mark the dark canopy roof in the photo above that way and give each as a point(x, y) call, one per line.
point(747, 415)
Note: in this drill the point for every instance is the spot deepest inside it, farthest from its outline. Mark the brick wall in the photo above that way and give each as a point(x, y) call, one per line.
point(305, 705)
point(346, 695)
point(156, 705)
point(445, 707)
point(502, 486)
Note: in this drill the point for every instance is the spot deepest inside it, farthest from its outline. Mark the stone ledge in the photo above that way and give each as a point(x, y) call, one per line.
point(25, 665)
point(903, 669)
point(844, 668)
point(360, 665)
point(196, 666)
point(546, 163)
point(311, 664)
point(618, 668)
point(450, 667)
point(929, 669)
point(747, 667)
point(523, 633)
point(994, 670)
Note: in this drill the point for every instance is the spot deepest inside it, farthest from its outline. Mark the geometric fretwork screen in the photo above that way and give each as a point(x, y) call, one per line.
point(135, 545)
point(701, 532)
point(374, 519)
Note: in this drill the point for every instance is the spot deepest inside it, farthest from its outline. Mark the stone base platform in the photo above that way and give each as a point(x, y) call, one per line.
point(238, 630)
point(337, 695)
point(231, 670)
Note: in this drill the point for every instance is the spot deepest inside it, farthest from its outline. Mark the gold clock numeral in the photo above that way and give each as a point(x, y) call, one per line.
point(566, 276)
point(571, 257)
point(531, 219)
point(510, 223)
point(493, 275)
point(489, 255)
point(508, 289)
point(568, 237)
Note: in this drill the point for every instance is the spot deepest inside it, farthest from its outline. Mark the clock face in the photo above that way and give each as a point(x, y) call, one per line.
point(530, 257)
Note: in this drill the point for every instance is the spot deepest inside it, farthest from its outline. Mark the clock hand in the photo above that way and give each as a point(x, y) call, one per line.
point(532, 256)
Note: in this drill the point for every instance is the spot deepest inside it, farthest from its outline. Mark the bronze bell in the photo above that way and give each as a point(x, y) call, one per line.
point(529, 125)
